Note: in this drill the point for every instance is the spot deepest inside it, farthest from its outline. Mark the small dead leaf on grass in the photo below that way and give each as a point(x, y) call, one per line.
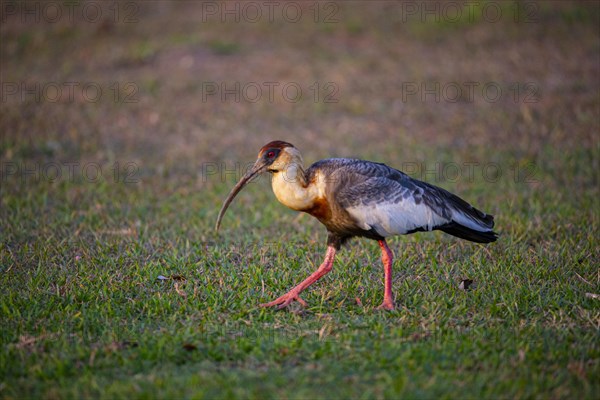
point(581, 278)
point(27, 340)
point(592, 296)
point(284, 351)
point(92, 357)
point(467, 284)
point(325, 331)
point(190, 347)
point(118, 346)
point(180, 291)
point(171, 277)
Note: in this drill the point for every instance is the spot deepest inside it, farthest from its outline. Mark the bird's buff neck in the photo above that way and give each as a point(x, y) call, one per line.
point(292, 189)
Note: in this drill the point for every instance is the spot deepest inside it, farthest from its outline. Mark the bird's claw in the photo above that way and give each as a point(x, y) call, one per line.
point(285, 301)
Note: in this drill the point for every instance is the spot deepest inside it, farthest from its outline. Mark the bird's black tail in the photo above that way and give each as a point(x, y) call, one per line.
point(464, 232)
point(466, 222)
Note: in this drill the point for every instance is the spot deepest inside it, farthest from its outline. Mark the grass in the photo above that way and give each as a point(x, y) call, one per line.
point(85, 315)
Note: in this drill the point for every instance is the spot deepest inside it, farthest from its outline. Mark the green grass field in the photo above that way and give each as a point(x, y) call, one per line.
point(121, 135)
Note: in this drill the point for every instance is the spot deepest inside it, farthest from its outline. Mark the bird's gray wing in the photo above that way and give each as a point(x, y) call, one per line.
point(388, 201)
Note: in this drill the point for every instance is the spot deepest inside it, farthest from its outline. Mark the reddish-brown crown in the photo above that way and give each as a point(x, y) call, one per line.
point(275, 144)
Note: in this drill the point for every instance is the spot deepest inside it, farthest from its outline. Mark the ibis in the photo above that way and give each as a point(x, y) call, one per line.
point(358, 198)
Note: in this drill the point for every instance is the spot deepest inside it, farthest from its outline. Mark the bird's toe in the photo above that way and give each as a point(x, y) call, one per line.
point(269, 304)
point(284, 301)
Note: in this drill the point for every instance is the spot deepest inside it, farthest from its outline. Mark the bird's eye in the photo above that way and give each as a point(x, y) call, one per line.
point(271, 154)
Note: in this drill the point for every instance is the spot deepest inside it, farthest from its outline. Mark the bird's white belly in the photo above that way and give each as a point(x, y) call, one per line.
point(395, 218)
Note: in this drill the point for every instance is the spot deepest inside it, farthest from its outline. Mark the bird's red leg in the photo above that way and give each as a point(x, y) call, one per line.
point(387, 258)
point(293, 294)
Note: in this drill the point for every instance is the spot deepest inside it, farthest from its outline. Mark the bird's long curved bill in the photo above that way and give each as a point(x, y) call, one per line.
point(256, 169)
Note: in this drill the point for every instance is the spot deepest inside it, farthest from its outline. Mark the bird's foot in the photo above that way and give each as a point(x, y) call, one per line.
point(285, 301)
point(387, 305)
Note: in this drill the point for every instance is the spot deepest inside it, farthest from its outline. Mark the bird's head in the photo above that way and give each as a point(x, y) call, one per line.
point(277, 156)
point(273, 157)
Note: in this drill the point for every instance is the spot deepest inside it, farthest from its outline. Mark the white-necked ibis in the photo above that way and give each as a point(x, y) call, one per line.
point(354, 197)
